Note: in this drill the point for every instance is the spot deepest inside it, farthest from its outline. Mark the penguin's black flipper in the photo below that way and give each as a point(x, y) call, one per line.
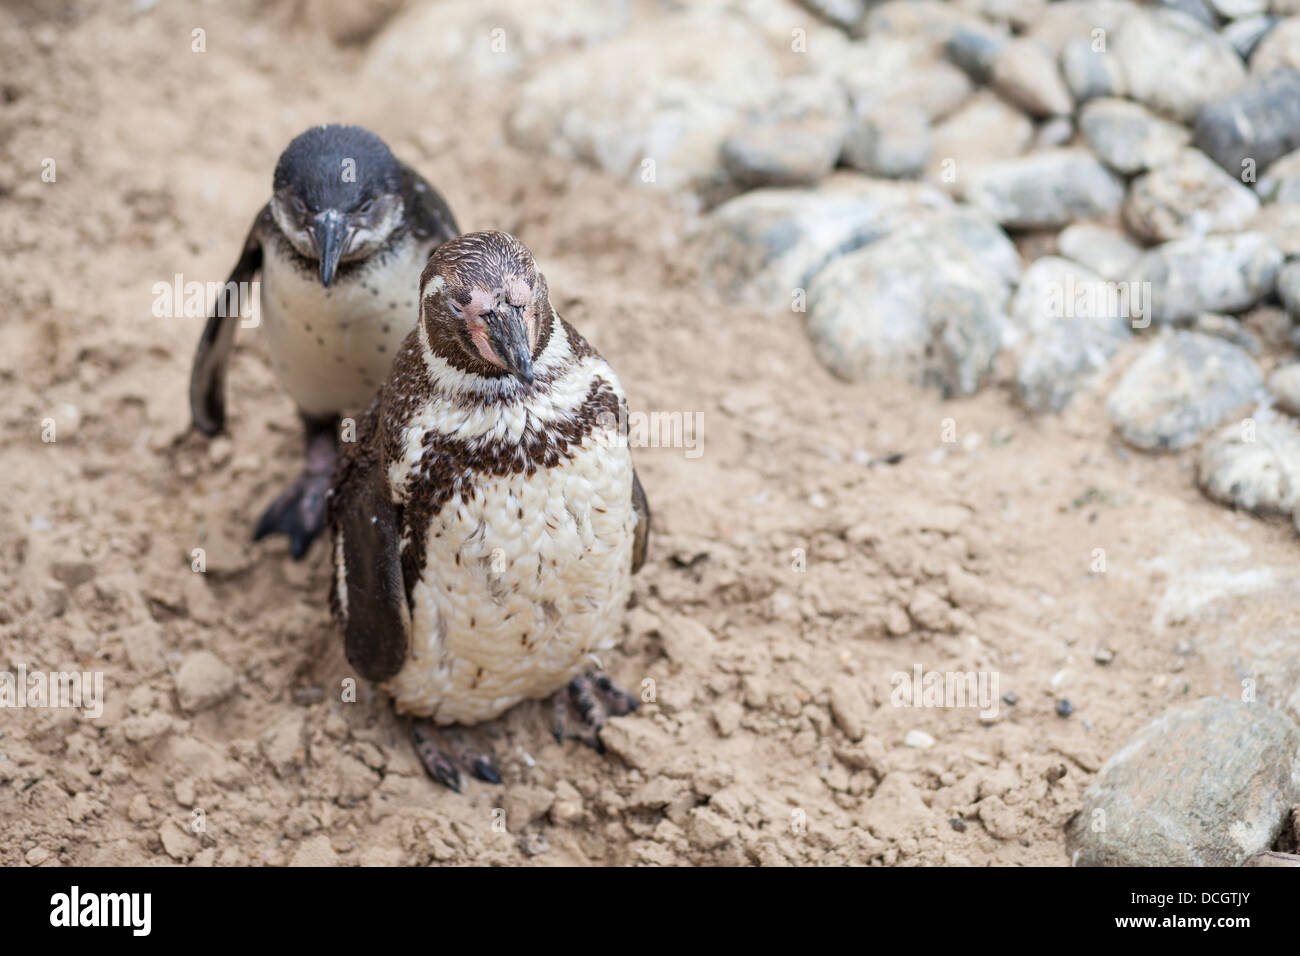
point(641, 533)
point(208, 377)
point(369, 593)
point(429, 215)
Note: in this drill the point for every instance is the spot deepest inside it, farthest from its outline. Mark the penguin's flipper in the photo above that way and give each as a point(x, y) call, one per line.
point(641, 533)
point(369, 591)
point(208, 377)
point(430, 216)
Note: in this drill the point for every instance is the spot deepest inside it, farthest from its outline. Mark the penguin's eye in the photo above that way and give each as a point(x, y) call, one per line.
point(367, 207)
point(299, 206)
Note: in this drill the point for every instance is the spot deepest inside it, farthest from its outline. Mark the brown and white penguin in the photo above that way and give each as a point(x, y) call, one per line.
point(488, 520)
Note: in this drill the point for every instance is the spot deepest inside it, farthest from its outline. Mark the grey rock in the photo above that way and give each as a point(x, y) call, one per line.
point(1280, 222)
point(1198, 10)
point(982, 130)
point(1284, 383)
point(885, 72)
point(1054, 132)
point(1025, 72)
point(782, 153)
point(1128, 137)
point(1074, 324)
point(670, 94)
point(1188, 196)
point(1204, 784)
point(1279, 49)
point(429, 47)
point(1060, 23)
point(1281, 182)
point(1245, 34)
point(1288, 288)
point(1208, 274)
point(762, 246)
point(1236, 9)
point(1229, 329)
point(1065, 360)
point(1091, 74)
point(893, 142)
point(975, 51)
point(922, 306)
point(1182, 384)
point(1253, 465)
point(795, 141)
point(1053, 289)
point(1253, 126)
point(1106, 252)
point(1045, 190)
point(1175, 65)
point(845, 14)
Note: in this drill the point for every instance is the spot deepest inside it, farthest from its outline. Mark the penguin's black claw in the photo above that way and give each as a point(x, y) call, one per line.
point(445, 752)
point(583, 707)
point(298, 512)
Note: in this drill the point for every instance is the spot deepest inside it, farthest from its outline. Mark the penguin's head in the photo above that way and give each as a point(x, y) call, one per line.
point(481, 293)
point(337, 195)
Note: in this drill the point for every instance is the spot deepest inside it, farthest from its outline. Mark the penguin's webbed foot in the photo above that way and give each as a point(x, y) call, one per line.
point(582, 708)
point(446, 752)
point(298, 512)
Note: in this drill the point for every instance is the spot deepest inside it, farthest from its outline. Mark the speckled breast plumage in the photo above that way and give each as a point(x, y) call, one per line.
point(332, 347)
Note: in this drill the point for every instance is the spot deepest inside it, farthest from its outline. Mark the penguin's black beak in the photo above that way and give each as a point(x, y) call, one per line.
point(509, 338)
point(331, 233)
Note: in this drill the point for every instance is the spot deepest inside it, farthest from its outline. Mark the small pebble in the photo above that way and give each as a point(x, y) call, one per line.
point(1064, 708)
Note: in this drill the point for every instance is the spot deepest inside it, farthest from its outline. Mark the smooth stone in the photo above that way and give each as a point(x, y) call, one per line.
point(1236, 9)
point(1183, 384)
point(975, 51)
point(1204, 784)
point(1288, 288)
point(893, 142)
point(1090, 74)
point(1229, 329)
point(1053, 289)
point(1066, 359)
point(1208, 274)
point(1026, 73)
point(922, 306)
point(1188, 196)
point(1279, 49)
point(670, 94)
point(1280, 223)
point(982, 130)
point(1246, 34)
point(845, 14)
point(1253, 126)
point(762, 246)
point(1284, 383)
point(1253, 465)
point(1281, 181)
point(1107, 252)
point(1128, 137)
point(1045, 190)
point(1173, 64)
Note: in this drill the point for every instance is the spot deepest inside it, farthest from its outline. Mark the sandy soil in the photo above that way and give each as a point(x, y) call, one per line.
point(772, 739)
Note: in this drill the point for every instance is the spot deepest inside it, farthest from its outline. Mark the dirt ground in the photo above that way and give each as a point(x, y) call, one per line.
point(793, 569)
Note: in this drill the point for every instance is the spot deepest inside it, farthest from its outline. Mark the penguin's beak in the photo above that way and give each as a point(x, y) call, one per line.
point(331, 232)
point(508, 336)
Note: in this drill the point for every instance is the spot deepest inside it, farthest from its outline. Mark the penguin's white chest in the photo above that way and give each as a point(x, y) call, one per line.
point(526, 579)
point(332, 347)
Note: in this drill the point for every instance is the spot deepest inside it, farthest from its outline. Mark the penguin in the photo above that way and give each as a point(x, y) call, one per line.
point(488, 519)
point(340, 248)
